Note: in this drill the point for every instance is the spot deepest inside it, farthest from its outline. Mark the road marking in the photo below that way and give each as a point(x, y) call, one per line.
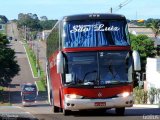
point(36, 85)
point(29, 62)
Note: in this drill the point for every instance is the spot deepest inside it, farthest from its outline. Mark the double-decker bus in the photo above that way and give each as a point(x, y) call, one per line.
point(90, 63)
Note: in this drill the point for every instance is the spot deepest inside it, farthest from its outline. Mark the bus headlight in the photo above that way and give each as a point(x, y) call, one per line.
point(73, 96)
point(124, 94)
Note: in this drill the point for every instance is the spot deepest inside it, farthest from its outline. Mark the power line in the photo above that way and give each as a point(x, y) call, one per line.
point(120, 6)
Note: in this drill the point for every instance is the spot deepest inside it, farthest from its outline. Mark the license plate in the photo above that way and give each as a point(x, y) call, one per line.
point(100, 103)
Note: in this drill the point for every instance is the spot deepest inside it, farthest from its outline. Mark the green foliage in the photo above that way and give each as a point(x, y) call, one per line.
point(47, 24)
point(3, 40)
point(53, 41)
point(145, 47)
point(30, 20)
point(152, 93)
point(41, 85)
point(140, 95)
point(32, 59)
point(8, 65)
point(155, 25)
point(3, 19)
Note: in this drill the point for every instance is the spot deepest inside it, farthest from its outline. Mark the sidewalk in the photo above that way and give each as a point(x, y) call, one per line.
point(146, 106)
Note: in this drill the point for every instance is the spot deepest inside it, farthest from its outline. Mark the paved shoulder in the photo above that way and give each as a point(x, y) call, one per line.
point(8, 113)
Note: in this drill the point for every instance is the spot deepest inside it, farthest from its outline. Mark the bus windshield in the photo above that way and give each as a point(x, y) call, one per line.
point(98, 68)
point(95, 33)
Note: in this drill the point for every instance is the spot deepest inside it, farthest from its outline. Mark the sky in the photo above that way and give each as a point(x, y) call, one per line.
point(56, 9)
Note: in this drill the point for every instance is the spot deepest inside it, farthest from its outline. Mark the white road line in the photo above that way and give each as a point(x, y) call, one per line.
point(29, 62)
point(30, 114)
point(36, 85)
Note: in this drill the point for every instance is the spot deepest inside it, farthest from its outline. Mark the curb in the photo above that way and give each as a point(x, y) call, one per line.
point(29, 62)
point(146, 106)
point(36, 85)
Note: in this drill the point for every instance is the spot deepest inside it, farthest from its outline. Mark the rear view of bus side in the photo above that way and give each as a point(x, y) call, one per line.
point(90, 63)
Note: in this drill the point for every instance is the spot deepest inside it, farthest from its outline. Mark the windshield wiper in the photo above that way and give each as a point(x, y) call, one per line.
point(90, 81)
point(117, 82)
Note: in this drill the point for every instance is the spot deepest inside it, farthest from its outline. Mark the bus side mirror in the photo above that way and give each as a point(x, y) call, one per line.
point(60, 62)
point(136, 60)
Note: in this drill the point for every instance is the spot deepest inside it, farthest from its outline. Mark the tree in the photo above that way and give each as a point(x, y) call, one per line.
point(43, 18)
point(30, 20)
point(8, 65)
point(145, 46)
point(3, 19)
point(47, 24)
point(154, 24)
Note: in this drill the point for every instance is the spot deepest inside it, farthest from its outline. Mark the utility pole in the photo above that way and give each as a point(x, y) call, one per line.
point(37, 60)
point(111, 9)
point(25, 33)
point(120, 6)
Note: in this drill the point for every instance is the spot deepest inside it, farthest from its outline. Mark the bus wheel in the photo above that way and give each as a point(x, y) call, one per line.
point(120, 111)
point(56, 109)
point(66, 112)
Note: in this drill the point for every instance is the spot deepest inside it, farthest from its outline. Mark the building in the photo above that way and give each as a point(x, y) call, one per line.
point(3, 21)
point(2, 26)
point(137, 30)
point(45, 34)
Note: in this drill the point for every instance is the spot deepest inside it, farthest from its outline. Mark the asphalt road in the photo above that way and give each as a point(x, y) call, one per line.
point(43, 113)
point(130, 114)
point(15, 113)
point(25, 75)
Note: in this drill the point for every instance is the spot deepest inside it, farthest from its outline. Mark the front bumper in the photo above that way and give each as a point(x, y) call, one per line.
point(82, 104)
point(29, 103)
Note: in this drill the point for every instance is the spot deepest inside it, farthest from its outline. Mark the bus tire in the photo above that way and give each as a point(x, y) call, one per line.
point(51, 99)
point(120, 111)
point(66, 112)
point(55, 109)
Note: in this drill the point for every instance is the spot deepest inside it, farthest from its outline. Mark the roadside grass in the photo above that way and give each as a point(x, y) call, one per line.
point(41, 83)
point(32, 59)
point(4, 97)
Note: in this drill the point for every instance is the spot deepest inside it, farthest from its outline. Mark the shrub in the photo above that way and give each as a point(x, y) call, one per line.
point(140, 96)
point(152, 94)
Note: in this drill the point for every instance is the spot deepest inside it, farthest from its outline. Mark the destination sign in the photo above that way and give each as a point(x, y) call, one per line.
point(97, 27)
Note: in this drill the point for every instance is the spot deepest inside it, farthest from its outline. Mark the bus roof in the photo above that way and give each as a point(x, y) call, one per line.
point(94, 16)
